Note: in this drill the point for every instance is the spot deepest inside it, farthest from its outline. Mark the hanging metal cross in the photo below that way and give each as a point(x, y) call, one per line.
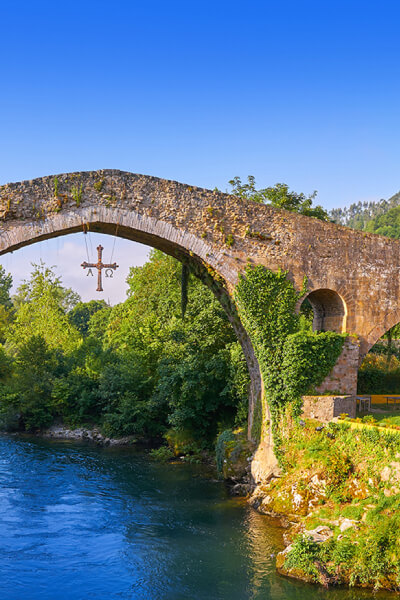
point(99, 266)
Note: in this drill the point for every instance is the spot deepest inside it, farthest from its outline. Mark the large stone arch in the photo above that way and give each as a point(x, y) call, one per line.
point(203, 259)
point(220, 232)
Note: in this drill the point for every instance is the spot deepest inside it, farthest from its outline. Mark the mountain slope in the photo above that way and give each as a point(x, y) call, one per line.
point(381, 217)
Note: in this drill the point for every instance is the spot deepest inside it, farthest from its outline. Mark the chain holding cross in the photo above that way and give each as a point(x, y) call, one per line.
point(99, 266)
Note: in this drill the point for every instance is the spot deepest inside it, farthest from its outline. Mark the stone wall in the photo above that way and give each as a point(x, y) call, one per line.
point(325, 408)
point(343, 377)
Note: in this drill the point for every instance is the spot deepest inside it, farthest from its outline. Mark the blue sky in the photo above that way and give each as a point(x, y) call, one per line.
point(306, 93)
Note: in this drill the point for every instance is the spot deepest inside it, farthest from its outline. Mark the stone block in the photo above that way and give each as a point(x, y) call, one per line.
point(326, 408)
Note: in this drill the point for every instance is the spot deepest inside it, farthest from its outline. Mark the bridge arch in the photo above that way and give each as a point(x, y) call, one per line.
point(380, 329)
point(204, 260)
point(329, 310)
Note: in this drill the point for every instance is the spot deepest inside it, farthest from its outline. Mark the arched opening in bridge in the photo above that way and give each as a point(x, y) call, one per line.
point(125, 372)
point(327, 310)
point(379, 379)
point(67, 253)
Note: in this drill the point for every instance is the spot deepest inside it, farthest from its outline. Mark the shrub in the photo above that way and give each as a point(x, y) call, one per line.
point(302, 556)
point(162, 454)
point(224, 438)
point(369, 419)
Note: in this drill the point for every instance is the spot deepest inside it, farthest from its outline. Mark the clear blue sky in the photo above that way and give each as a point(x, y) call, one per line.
point(306, 93)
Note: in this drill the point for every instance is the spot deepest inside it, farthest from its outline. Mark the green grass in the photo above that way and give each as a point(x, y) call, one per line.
point(387, 418)
point(368, 553)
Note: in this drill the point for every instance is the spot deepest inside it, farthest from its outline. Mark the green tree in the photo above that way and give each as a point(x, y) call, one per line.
point(6, 306)
point(278, 195)
point(98, 323)
point(5, 287)
point(30, 288)
point(82, 312)
point(34, 372)
point(42, 312)
point(186, 364)
point(387, 224)
point(140, 368)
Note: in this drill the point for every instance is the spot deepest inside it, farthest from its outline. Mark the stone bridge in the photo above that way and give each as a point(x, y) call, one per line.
point(353, 277)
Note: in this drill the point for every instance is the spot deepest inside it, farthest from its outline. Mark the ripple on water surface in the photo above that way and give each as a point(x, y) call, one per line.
point(81, 523)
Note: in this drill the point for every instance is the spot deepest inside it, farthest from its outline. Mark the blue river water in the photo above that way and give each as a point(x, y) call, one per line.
point(80, 523)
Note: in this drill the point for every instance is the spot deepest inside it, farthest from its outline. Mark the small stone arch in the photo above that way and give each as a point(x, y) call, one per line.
point(378, 331)
point(329, 308)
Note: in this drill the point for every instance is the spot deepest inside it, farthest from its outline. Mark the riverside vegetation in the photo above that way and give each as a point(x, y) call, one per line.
point(342, 487)
point(138, 368)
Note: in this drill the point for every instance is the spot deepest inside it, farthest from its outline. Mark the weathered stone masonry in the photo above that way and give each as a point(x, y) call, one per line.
point(326, 408)
point(343, 376)
point(353, 277)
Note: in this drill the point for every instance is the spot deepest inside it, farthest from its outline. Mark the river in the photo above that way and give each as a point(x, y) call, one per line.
point(78, 523)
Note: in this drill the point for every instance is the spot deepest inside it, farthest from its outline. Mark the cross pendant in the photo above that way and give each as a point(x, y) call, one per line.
point(99, 266)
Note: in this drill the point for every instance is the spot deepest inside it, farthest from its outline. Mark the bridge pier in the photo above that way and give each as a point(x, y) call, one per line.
point(343, 377)
point(341, 384)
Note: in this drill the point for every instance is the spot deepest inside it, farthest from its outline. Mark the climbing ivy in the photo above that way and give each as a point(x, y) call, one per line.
point(292, 361)
point(308, 357)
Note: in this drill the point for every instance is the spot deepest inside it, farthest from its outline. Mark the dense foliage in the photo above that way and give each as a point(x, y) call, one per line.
point(382, 217)
point(380, 370)
point(367, 215)
point(80, 315)
point(137, 368)
point(41, 310)
point(293, 360)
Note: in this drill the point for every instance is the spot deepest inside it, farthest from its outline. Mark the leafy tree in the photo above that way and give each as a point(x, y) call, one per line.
point(278, 195)
point(98, 323)
point(42, 312)
point(41, 274)
point(185, 363)
point(359, 215)
point(5, 365)
point(75, 392)
point(139, 368)
point(6, 318)
point(6, 306)
point(5, 287)
point(387, 223)
point(35, 366)
point(80, 315)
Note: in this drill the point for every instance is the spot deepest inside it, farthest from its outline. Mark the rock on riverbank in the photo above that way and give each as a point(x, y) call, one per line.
point(60, 432)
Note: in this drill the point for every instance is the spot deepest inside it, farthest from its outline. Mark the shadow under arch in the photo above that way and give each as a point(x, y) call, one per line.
point(329, 310)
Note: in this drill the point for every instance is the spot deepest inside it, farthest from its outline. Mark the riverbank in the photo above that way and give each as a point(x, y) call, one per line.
point(83, 434)
point(339, 498)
